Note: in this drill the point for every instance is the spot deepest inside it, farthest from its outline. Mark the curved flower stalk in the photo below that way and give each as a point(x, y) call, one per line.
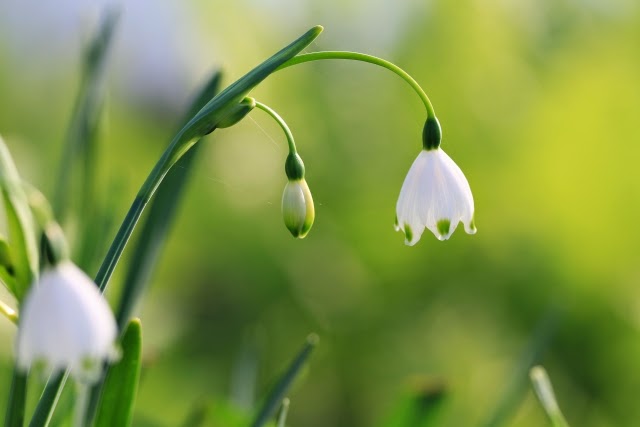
point(65, 323)
point(435, 193)
point(298, 210)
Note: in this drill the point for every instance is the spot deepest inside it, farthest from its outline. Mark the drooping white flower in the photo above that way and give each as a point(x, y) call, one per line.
point(65, 323)
point(435, 195)
point(297, 207)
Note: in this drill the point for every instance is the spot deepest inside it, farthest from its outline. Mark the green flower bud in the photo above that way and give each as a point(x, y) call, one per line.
point(297, 207)
point(237, 113)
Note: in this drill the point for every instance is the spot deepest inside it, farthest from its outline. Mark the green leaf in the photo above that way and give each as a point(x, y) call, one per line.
point(80, 145)
point(420, 407)
point(547, 398)
point(121, 384)
point(17, 397)
point(162, 212)
point(20, 223)
point(47, 403)
point(284, 410)
point(519, 383)
point(281, 388)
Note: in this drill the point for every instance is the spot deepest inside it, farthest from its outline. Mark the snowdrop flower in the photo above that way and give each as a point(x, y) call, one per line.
point(65, 323)
point(297, 204)
point(435, 194)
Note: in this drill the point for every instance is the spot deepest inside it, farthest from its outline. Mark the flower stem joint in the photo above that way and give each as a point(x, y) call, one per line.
point(237, 112)
point(297, 203)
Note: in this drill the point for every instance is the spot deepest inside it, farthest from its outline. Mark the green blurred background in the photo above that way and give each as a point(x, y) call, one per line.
point(539, 102)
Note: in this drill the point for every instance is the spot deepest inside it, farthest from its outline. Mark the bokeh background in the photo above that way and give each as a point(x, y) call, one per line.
point(539, 102)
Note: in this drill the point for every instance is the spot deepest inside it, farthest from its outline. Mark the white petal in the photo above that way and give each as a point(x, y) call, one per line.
point(65, 322)
point(436, 195)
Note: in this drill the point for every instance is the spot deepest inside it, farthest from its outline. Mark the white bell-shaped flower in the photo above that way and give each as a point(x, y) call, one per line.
point(65, 323)
point(435, 195)
point(297, 207)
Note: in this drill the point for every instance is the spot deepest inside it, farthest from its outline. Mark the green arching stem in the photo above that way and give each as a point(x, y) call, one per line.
point(355, 56)
point(9, 312)
point(282, 123)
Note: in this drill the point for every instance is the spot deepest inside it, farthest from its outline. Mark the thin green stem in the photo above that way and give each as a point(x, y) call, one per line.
point(355, 56)
point(82, 396)
point(9, 312)
point(282, 123)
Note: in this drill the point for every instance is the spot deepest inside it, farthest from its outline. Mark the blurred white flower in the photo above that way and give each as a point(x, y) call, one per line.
point(436, 195)
point(65, 323)
point(297, 207)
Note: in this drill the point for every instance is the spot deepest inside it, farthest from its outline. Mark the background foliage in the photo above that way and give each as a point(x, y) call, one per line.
point(538, 101)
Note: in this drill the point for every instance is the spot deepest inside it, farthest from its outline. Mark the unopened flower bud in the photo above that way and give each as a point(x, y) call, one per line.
point(297, 207)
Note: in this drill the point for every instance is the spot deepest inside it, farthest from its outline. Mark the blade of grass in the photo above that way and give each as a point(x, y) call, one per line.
point(17, 397)
point(518, 386)
point(49, 399)
point(24, 243)
point(121, 384)
point(284, 410)
point(546, 396)
point(281, 388)
point(81, 134)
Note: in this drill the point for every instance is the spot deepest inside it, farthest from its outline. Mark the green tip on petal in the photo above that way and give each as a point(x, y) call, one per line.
point(443, 227)
point(395, 222)
point(408, 233)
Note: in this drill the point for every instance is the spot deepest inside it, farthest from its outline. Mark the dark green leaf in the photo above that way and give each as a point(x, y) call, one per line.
point(17, 397)
point(121, 383)
point(281, 388)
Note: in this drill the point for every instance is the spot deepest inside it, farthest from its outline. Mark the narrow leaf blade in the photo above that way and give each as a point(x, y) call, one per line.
point(121, 383)
point(281, 388)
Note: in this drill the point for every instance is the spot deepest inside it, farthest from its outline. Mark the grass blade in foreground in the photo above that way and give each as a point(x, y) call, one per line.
point(121, 384)
point(282, 386)
point(17, 397)
point(83, 125)
point(19, 221)
point(282, 416)
point(203, 123)
point(518, 386)
point(546, 396)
